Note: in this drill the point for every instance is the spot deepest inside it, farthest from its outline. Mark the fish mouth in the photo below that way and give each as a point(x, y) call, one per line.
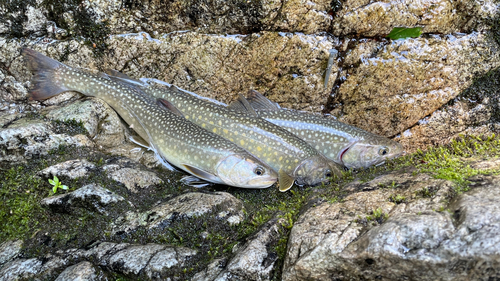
point(260, 183)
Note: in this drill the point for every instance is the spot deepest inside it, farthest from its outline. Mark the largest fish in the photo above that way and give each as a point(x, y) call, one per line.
point(345, 144)
point(173, 138)
point(293, 159)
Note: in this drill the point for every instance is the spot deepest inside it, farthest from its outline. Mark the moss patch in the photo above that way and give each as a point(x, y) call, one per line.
point(80, 22)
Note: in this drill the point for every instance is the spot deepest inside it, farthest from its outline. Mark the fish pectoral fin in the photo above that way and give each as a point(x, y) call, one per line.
point(259, 102)
point(165, 104)
point(285, 181)
point(194, 181)
point(201, 173)
point(124, 78)
point(241, 104)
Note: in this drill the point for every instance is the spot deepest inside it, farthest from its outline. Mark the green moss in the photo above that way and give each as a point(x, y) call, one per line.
point(82, 24)
point(69, 127)
point(20, 193)
point(397, 198)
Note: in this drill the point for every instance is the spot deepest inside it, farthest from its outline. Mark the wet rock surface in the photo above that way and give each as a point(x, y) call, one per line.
point(91, 194)
point(72, 169)
point(133, 177)
point(184, 206)
point(408, 238)
point(129, 218)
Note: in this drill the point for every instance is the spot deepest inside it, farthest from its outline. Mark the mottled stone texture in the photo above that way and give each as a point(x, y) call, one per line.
point(422, 238)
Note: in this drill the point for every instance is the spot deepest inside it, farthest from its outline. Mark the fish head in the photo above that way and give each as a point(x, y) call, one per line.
point(315, 170)
point(245, 171)
point(364, 154)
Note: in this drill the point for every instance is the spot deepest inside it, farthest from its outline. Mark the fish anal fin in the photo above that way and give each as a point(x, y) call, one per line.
point(45, 72)
point(166, 105)
point(242, 105)
point(201, 173)
point(259, 102)
point(285, 181)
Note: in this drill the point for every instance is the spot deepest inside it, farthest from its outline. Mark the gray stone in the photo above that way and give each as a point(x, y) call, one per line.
point(83, 271)
point(162, 261)
point(72, 169)
point(402, 81)
point(100, 120)
point(211, 272)
point(255, 260)
point(89, 196)
point(377, 18)
point(24, 138)
point(337, 241)
point(9, 250)
point(186, 205)
point(133, 179)
point(20, 269)
point(134, 258)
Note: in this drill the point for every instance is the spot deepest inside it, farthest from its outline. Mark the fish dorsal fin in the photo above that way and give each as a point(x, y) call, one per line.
point(259, 102)
point(241, 104)
point(285, 181)
point(165, 104)
point(124, 78)
point(201, 173)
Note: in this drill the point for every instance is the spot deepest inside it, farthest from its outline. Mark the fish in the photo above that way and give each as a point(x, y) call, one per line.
point(293, 159)
point(174, 140)
point(346, 145)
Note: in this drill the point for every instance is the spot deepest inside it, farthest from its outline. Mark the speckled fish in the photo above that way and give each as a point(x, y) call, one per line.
point(293, 159)
point(345, 144)
point(173, 139)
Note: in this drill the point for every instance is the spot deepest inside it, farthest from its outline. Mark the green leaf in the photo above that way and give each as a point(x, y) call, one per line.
point(64, 187)
point(52, 182)
point(54, 189)
point(403, 33)
point(56, 180)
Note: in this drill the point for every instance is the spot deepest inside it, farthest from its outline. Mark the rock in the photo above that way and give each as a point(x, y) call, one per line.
point(83, 271)
point(474, 112)
point(211, 272)
point(134, 258)
point(397, 83)
point(24, 139)
point(228, 65)
point(215, 16)
point(183, 206)
point(369, 19)
point(98, 118)
point(20, 269)
point(335, 241)
point(89, 196)
point(256, 259)
point(161, 263)
point(133, 179)
point(9, 250)
point(72, 169)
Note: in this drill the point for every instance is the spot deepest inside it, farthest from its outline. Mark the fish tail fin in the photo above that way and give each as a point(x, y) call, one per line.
point(45, 72)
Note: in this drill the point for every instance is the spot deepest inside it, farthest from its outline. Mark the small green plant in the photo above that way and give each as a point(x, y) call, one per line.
point(57, 184)
point(378, 216)
point(404, 32)
point(398, 199)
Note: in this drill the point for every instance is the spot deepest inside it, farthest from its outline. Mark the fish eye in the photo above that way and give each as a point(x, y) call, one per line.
point(383, 151)
point(259, 171)
point(328, 173)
